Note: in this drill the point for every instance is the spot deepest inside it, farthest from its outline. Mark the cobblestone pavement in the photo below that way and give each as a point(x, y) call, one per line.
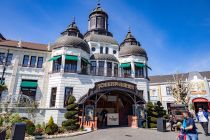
point(126, 133)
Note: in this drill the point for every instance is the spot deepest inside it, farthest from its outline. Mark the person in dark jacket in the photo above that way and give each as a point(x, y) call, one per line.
point(202, 117)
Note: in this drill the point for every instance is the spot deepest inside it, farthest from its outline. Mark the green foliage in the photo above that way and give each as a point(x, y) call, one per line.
point(30, 127)
point(154, 112)
point(39, 130)
point(51, 128)
point(1, 121)
point(14, 118)
point(8, 134)
point(71, 122)
point(61, 130)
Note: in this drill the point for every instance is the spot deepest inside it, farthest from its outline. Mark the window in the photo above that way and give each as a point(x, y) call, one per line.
point(139, 72)
point(109, 68)
point(33, 61)
point(25, 60)
point(28, 88)
point(53, 97)
point(115, 69)
point(84, 66)
point(70, 66)
point(101, 68)
point(2, 58)
point(114, 51)
point(9, 59)
point(93, 68)
point(107, 50)
point(101, 50)
point(68, 93)
point(39, 62)
point(57, 65)
point(93, 49)
point(168, 90)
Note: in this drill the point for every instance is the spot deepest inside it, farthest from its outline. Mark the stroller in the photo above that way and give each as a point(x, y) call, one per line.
point(182, 133)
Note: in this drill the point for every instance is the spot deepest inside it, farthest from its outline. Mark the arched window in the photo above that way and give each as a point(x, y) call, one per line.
point(107, 50)
point(101, 49)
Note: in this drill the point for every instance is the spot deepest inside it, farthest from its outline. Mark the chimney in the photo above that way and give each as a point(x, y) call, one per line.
point(48, 46)
point(20, 43)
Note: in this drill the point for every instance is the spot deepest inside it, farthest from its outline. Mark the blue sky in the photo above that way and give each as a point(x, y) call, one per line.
point(175, 34)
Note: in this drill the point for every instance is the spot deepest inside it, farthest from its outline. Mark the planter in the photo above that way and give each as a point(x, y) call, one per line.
point(3, 134)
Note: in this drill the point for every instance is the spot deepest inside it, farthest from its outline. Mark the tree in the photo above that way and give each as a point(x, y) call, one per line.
point(71, 115)
point(179, 89)
point(151, 115)
point(161, 112)
point(3, 87)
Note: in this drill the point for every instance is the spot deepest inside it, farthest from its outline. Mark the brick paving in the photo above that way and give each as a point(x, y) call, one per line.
point(126, 133)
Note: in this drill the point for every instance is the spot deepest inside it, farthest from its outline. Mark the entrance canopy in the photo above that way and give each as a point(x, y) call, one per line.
point(199, 100)
point(115, 85)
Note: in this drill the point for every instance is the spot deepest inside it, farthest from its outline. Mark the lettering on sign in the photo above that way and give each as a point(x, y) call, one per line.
point(119, 84)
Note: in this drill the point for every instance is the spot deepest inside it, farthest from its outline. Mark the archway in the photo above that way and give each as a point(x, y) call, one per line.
point(201, 103)
point(119, 100)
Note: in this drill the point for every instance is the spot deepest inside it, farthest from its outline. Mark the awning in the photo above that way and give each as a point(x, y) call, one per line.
point(71, 57)
point(200, 100)
point(137, 64)
point(148, 67)
point(55, 58)
point(125, 65)
point(31, 84)
point(85, 60)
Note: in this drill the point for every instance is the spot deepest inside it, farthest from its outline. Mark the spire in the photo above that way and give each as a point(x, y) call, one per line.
point(98, 3)
point(72, 30)
point(129, 28)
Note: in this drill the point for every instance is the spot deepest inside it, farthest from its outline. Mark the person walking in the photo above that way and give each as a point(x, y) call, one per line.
point(188, 127)
point(202, 117)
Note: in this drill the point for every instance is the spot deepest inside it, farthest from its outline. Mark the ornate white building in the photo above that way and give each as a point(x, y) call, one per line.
point(93, 67)
point(199, 94)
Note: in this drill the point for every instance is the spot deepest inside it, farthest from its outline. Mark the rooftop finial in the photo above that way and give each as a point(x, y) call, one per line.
point(129, 28)
point(73, 21)
point(98, 3)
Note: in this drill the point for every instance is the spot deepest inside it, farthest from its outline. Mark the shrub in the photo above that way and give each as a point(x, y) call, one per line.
point(39, 130)
point(153, 125)
point(1, 121)
point(14, 118)
point(71, 115)
point(61, 130)
point(30, 127)
point(51, 128)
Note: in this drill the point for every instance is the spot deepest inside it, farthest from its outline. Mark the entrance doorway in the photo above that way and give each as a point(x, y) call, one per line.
point(200, 103)
point(115, 102)
point(111, 103)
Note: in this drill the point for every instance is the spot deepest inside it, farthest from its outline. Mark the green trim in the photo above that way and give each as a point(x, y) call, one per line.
point(137, 64)
point(85, 60)
point(29, 84)
point(55, 58)
point(125, 65)
point(71, 57)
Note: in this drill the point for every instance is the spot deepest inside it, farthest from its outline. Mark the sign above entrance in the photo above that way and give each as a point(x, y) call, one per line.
point(115, 84)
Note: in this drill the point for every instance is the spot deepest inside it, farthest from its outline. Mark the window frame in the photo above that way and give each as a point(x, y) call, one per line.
point(53, 102)
point(24, 59)
point(38, 62)
point(101, 50)
point(34, 63)
point(67, 96)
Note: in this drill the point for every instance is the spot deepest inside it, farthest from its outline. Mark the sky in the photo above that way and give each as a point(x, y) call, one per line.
point(175, 33)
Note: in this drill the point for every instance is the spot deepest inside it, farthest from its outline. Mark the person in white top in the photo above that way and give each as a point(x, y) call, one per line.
point(203, 119)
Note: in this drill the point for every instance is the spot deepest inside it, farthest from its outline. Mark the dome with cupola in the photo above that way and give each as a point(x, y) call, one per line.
point(130, 46)
point(71, 37)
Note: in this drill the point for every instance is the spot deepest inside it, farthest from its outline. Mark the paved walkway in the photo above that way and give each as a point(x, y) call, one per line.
point(126, 133)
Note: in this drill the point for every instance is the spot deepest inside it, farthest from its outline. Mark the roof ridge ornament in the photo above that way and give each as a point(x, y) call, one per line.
point(98, 3)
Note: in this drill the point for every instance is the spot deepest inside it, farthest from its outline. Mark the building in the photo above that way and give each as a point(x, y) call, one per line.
point(93, 67)
point(199, 89)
